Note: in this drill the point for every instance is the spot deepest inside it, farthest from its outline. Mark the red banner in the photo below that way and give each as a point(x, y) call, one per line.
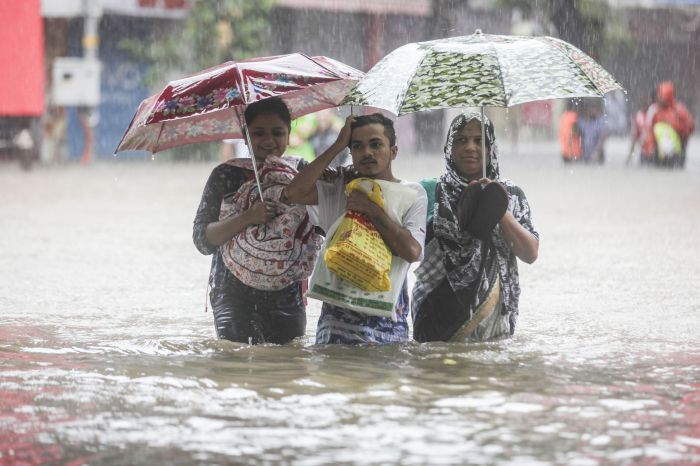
point(22, 58)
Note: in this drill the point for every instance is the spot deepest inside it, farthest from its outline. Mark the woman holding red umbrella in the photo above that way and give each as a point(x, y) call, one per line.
point(263, 249)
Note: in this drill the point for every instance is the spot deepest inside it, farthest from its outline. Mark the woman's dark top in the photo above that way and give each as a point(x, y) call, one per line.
point(243, 313)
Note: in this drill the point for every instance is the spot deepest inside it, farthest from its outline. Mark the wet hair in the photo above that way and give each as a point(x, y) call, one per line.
point(376, 119)
point(274, 106)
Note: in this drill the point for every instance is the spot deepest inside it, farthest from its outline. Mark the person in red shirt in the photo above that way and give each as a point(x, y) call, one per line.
point(669, 110)
point(641, 133)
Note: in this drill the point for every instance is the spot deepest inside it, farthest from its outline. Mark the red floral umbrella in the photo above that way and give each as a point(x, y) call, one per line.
point(209, 105)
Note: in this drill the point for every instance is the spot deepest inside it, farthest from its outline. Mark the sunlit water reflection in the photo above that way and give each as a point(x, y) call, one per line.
point(107, 355)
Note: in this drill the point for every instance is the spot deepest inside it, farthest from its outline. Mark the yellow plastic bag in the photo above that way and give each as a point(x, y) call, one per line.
point(357, 253)
point(330, 288)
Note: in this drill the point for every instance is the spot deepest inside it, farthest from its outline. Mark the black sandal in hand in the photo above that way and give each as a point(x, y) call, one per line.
point(480, 209)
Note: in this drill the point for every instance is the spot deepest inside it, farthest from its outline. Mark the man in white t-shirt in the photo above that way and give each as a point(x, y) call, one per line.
point(372, 143)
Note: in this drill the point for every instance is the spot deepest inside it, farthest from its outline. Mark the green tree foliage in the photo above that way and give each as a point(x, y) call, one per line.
point(214, 31)
point(223, 30)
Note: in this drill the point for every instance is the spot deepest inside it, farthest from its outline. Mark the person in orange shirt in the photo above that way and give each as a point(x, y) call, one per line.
point(669, 110)
point(569, 134)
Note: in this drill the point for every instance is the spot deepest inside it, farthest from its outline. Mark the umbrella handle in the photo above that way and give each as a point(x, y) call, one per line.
point(483, 141)
point(243, 125)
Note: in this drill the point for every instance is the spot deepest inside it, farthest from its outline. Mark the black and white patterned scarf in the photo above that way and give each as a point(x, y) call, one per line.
point(463, 253)
point(453, 254)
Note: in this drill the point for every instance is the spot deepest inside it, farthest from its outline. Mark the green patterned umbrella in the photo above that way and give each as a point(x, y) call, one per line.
point(479, 70)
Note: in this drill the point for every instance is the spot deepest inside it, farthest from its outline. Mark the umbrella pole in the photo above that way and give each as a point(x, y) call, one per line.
point(483, 143)
point(252, 153)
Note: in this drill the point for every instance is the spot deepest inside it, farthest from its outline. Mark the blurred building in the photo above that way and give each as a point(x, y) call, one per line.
point(21, 81)
point(93, 85)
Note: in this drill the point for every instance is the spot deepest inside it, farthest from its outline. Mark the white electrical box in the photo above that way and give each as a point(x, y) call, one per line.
point(76, 82)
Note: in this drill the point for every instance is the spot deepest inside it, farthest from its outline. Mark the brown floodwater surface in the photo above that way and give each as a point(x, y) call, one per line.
point(108, 357)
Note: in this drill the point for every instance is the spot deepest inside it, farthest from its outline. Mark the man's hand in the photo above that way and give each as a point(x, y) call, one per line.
point(397, 238)
point(302, 189)
point(343, 139)
point(359, 202)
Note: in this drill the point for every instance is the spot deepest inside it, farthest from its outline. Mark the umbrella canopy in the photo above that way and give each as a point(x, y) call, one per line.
point(209, 105)
point(480, 70)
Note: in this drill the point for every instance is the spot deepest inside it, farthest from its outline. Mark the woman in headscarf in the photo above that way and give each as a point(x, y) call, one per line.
point(467, 286)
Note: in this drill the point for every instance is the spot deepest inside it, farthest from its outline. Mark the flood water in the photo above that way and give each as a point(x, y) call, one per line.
point(107, 355)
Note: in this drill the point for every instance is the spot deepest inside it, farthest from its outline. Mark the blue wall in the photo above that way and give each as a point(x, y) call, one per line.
point(122, 87)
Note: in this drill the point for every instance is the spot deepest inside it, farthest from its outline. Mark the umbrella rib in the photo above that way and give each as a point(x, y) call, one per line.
point(244, 88)
point(160, 132)
point(582, 71)
point(500, 74)
point(124, 136)
point(319, 64)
